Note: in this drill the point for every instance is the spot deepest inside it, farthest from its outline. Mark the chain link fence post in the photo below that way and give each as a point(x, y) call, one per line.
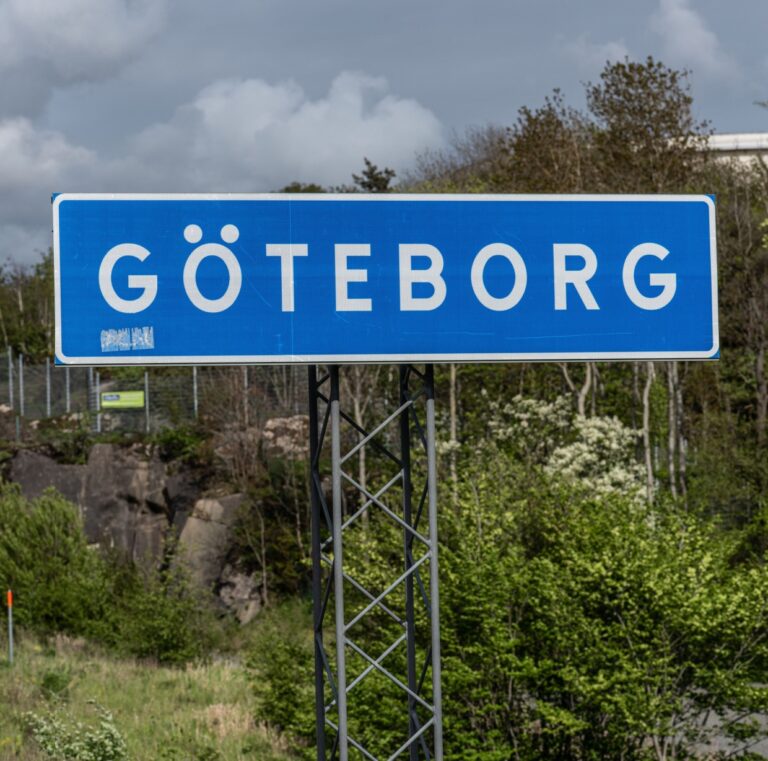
point(47, 387)
point(245, 396)
point(195, 403)
point(10, 377)
point(98, 402)
point(146, 402)
point(21, 385)
point(89, 402)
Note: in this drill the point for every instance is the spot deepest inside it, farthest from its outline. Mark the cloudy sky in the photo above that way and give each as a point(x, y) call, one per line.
point(248, 95)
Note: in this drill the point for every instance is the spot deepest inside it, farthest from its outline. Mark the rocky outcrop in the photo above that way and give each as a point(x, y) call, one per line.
point(240, 593)
point(125, 505)
point(35, 473)
point(126, 496)
point(206, 538)
point(130, 499)
point(287, 437)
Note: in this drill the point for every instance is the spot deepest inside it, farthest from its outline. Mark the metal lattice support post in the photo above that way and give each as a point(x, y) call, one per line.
point(318, 599)
point(402, 609)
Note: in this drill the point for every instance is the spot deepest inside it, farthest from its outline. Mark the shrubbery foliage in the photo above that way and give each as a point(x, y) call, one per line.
point(64, 740)
point(577, 622)
point(61, 584)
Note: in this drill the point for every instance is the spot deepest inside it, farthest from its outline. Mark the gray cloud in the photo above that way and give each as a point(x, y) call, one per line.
point(152, 95)
point(235, 135)
point(591, 56)
point(48, 43)
point(249, 134)
point(78, 37)
point(688, 40)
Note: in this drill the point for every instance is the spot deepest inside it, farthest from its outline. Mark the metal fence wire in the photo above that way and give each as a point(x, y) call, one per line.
point(220, 396)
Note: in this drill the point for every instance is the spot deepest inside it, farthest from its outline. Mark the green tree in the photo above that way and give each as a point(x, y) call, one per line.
point(373, 180)
point(26, 307)
point(647, 139)
point(60, 584)
point(577, 624)
point(303, 187)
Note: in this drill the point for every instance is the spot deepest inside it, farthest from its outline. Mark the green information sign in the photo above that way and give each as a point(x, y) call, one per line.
point(122, 400)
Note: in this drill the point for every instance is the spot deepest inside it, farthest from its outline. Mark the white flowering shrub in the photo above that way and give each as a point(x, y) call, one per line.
point(601, 457)
point(598, 453)
point(532, 427)
point(63, 740)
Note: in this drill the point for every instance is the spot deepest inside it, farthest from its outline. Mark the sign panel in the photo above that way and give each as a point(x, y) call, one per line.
point(122, 400)
point(166, 279)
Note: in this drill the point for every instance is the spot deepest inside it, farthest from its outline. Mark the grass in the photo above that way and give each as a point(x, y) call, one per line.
point(201, 713)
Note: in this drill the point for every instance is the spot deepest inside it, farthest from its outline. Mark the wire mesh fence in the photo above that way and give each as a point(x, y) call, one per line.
point(148, 400)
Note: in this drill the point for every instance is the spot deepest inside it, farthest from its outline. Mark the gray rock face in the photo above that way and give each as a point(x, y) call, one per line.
point(35, 473)
point(287, 436)
point(126, 497)
point(125, 503)
point(240, 593)
point(206, 537)
point(129, 501)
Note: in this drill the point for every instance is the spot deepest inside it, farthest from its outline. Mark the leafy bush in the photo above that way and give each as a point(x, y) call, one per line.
point(576, 626)
point(596, 628)
point(184, 443)
point(164, 618)
point(60, 583)
point(63, 740)
point(63, 585)
point(55, 682)
point(280, 667)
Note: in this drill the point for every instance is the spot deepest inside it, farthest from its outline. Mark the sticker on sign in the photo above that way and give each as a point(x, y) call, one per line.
point(186, 279)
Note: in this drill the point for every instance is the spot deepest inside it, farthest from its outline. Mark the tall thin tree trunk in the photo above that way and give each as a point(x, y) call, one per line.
point(264, 576)
point(762, 395)
point(454, 435)
point(635, 392)
point(581, 402)
point(649, 370)
point(681, 443)
point(672, 425)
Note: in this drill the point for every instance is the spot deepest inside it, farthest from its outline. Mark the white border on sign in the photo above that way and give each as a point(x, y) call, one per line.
point(308, 359)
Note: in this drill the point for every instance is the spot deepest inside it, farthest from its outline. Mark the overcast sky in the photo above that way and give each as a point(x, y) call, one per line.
point(248, 95)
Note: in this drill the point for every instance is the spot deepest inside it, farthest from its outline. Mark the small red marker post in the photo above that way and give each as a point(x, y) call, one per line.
point(9, 603)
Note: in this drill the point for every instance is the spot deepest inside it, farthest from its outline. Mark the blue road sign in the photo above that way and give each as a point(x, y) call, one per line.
point(166, 279)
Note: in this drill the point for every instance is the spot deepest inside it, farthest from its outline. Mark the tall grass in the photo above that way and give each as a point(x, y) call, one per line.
point(198, 713)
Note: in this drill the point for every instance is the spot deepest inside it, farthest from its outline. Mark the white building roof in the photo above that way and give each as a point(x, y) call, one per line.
point(739, 142)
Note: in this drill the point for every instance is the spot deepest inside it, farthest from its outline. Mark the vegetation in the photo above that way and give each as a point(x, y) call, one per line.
point(578, 621)
point(64, 586)
point(605, 590)
point(58, 692)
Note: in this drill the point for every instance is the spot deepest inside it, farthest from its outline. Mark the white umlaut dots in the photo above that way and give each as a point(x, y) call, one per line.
point(229, 233)
point(193, 233)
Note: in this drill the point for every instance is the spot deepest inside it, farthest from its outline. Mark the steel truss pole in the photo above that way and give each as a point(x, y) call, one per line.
point(401, 607)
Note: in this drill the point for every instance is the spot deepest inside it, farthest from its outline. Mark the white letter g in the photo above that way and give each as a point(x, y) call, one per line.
point(667, 280)
point(147, 282)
